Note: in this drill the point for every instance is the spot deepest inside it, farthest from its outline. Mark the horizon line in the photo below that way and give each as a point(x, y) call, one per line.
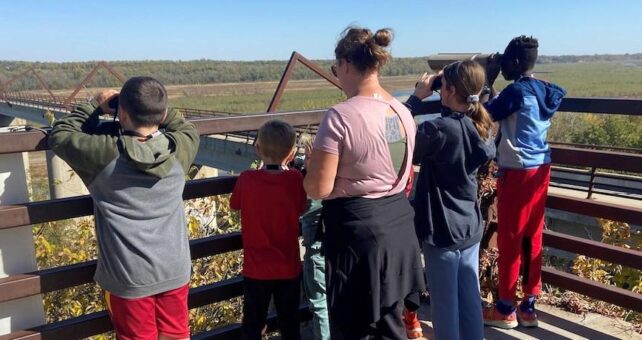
point(637, 54)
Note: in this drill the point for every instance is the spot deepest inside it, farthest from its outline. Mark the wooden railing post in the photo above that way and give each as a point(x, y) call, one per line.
point(17, 253)
point(62, 181)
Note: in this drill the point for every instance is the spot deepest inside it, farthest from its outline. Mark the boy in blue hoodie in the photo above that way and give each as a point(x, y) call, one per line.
point(524, 110)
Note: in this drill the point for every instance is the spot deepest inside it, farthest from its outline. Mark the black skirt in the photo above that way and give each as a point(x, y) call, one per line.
point(372, 258)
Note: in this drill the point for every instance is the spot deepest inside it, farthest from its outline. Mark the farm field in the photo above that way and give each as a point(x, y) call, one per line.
point(588, 79)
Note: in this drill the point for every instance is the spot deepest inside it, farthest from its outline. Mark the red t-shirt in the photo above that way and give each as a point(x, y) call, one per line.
point(270, 205)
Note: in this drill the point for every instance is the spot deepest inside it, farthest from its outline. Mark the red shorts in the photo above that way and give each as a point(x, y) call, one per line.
point(147, 317)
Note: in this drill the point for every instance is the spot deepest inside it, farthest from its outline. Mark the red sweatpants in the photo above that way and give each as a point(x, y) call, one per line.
point(521, 201)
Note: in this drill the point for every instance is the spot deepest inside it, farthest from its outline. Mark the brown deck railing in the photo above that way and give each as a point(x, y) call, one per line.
point(43, 281)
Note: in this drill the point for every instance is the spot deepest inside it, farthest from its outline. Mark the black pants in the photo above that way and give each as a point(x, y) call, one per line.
point(388, 327)
point(372, 265)
point(258, 293)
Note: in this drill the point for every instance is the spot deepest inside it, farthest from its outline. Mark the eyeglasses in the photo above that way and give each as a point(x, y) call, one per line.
point(333, 69)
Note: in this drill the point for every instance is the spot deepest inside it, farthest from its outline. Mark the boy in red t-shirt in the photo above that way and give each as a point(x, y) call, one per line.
point(271, 200)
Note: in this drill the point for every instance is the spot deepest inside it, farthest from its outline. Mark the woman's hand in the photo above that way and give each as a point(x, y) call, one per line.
point(422, 87)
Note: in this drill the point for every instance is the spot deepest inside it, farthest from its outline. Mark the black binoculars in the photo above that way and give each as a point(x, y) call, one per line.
point(113, 103)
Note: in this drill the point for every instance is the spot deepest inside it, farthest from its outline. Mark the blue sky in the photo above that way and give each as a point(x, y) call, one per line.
point(66, 30)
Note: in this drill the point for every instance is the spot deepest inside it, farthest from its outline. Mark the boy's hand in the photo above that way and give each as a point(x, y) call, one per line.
point(493, 67)
point(422, 87)
point(102, 99)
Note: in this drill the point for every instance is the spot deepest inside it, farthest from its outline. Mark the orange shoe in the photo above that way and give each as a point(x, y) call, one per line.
point(526, 319)
point(492, 317)
point(412, 324)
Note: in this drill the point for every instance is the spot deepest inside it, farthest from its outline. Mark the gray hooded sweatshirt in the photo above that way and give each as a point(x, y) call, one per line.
point(137, 189)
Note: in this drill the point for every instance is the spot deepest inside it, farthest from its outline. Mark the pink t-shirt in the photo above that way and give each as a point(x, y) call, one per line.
point(355, 130)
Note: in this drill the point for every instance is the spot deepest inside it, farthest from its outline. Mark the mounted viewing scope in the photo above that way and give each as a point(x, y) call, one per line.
point(437, 62)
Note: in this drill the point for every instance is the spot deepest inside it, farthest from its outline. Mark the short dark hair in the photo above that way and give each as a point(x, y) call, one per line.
point(276, 139)
point(524, 49)
point(145, 100)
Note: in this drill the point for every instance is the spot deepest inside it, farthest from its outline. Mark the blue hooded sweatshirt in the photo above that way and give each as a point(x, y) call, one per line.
point(524, 110)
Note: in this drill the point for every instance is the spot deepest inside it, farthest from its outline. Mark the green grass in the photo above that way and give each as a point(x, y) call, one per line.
point(606, 79)
point(259, 102)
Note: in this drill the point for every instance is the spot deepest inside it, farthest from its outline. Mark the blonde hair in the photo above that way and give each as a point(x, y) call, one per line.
point(276, 139)
point(468, 77)
point(306, 140)
point(363, 49)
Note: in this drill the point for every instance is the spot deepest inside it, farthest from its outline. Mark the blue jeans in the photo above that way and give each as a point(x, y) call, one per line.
point(314, 273)
point(453, 282)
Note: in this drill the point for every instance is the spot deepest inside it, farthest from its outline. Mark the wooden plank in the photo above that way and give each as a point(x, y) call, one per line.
point(617, 296)
point(602, 105)
point(17, 215)
point(594, 249)
point(589, 207)
point(96, 323)
point(49, 280)
point(612, 160)
point(233, 331)
point(23, 141)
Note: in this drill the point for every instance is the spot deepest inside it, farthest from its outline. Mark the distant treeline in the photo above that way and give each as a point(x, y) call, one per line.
point(70, 74)
point(559, 59)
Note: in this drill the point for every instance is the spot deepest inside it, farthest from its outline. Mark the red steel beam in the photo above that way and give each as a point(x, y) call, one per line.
point(90, 76)
point(276, 98)
point(294, 58)
point(24, 74)
point(44, 85)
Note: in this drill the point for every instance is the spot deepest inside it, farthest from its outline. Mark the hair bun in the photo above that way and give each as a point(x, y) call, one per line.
point(383, 37)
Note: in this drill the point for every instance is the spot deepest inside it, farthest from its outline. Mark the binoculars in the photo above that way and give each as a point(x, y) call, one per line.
point(113, 102)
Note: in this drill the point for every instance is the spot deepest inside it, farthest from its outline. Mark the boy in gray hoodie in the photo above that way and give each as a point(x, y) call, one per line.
point(135, 171)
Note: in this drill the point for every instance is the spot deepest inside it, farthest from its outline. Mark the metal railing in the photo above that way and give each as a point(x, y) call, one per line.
point(48, 280)
point(43, 281)
point(209, 123)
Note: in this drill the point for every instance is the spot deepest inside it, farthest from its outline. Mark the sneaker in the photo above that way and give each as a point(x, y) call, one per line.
point(526, 319)
point(412, 324)
point(492, 317)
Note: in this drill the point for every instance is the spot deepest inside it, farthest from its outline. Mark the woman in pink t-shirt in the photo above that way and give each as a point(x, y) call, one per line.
point(360, 165)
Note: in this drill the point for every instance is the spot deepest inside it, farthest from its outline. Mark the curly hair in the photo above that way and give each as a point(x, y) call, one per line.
point(524, 49)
